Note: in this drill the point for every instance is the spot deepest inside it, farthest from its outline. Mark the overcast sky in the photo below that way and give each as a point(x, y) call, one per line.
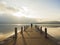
point(43, 9)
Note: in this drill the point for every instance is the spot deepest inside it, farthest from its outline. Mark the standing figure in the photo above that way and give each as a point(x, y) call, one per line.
point(45, 32)
point(31, 25)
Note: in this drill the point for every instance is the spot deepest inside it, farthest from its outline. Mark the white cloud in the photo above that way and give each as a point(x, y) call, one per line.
point(4, 8)
point(31, 8)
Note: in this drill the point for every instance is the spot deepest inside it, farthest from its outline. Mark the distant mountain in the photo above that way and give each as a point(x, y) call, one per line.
point(49, 22)
point(10, 19)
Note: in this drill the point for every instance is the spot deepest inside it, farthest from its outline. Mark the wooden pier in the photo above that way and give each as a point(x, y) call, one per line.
point(31, 36)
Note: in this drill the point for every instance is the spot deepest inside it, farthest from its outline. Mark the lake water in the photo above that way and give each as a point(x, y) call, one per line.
point(7, 30)
point(54, 32)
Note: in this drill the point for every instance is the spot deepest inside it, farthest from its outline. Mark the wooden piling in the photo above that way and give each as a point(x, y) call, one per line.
point(24, 28)
point(15, 33)
point(41, 29)
point(31, 25)
point(21, 29)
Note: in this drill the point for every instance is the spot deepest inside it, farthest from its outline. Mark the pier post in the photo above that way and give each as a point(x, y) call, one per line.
point(41, 29)
point(24, 28)
point(21, 30)
point(45, 32)
point(35, 26)
point(15, 33)
point(38, 28)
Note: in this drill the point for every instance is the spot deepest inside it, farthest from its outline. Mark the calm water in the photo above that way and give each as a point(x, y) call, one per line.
point(53, 30)
point(8, 29)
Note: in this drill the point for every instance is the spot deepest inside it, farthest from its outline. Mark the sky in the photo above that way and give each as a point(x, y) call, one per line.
point(43, 9)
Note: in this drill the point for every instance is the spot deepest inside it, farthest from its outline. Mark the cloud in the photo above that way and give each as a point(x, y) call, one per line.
point(5, 8)
point(10, 19)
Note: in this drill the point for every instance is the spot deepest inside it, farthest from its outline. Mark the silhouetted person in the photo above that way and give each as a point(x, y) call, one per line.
point(31, 25)
point(45, 32)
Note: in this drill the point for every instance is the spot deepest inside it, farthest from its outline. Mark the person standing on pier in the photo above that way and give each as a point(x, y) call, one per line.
point(31, 25)
point(46, 33)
